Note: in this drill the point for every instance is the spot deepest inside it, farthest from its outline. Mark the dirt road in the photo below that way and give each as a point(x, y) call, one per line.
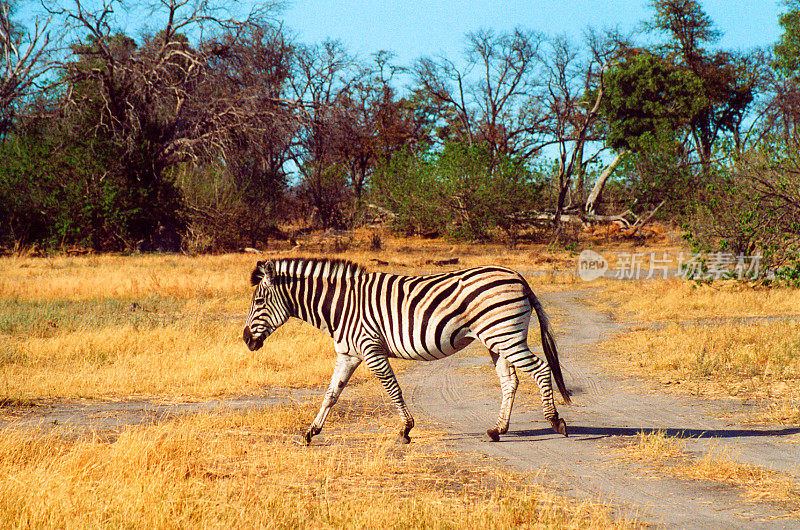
point(607, 412)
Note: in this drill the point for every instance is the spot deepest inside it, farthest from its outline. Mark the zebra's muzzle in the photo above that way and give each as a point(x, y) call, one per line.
point(253, 343)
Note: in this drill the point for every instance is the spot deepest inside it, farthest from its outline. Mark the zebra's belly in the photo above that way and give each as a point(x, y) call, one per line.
point(431, 353)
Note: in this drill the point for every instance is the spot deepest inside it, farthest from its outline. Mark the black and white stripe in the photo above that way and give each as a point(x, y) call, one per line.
point(374, 316)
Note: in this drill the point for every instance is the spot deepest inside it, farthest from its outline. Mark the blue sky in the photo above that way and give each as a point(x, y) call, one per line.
point(414, 28)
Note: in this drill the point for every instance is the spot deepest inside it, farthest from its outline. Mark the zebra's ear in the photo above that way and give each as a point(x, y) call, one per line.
point(258, 274)
point(263, 268)
point(269, 270)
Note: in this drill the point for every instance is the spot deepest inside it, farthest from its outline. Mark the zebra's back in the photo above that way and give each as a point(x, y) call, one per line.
point(430, 317)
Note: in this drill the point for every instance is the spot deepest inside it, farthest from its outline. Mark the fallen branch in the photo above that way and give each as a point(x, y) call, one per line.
point(641, 222)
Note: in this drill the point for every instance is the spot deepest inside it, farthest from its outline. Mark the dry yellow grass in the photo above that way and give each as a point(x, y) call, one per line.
point(110, 276)
point(719, 466)
point(189, 359)
point(759, 360)
point(145, 325)
point(655, 447)
point(245, 471)
point(715, 341)
point(170, 327)
point(678, 300)
point(149, 325)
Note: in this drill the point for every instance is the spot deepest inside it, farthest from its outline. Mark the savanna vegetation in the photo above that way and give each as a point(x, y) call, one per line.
point(245, 470)
point(719, 339)
point(167, 329)
point(214, 129)
point(717, 467)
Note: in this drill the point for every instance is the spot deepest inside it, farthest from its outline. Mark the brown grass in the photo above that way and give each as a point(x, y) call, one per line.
point(110, 276)
point(717, 466)
point(169, 327)
point(679, 300)
point(721, 339)
point(198, 359)
point(246, 471)
point(82, 327)
point(757, 361)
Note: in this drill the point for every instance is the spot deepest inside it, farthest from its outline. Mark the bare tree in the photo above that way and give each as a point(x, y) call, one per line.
point(25, 58)
point(321, 82)
point(485, 100)
point(571, 100)
point(199, 88)
point(185, 100)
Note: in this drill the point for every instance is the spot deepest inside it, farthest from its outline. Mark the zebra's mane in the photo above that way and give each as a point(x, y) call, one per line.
point(311, 268)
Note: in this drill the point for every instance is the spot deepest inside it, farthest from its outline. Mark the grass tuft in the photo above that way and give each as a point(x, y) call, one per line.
point(718, 466)
point(245, 470)
point(759, 361)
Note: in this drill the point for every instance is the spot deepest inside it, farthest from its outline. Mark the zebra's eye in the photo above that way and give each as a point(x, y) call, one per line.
point(260, 300)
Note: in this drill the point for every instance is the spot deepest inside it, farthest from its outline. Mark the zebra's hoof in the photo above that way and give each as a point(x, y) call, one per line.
point(308, 435)
point(559, 425)
point(494, 434)
point(403, 439)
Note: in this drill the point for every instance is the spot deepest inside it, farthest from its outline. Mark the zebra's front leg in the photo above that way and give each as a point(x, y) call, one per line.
point(345, 366)
point(379, 364)
point(508, 386)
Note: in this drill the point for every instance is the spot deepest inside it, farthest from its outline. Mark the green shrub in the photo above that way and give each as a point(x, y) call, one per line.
point(461, 191)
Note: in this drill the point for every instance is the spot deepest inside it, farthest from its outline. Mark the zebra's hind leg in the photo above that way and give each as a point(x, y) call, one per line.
point(521, 357)
point(379, 364)
point(345, 366)
point(508, 386)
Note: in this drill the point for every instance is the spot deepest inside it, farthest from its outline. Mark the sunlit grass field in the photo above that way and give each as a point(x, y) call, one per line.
point(716, 466)
point(145, 325)
point(677, 300)
point(141, 326)
point(245, 470)
point(169, 328)
point(719, 339)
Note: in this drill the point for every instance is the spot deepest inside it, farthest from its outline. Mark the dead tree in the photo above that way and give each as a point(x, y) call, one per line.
point(25, 58)
point(572, 96)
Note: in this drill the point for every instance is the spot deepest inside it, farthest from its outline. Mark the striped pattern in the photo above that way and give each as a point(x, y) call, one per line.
point(375, 316)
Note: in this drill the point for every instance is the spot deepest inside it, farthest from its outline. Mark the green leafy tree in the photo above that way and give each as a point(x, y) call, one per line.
point(648, 108)
point(787, 51)
point(460, 190)
point(647, 97)
point(783, 112)
point(727, 81)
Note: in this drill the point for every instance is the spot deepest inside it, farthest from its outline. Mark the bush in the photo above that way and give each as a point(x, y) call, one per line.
point(752, 208)
point(227, 211)
point(60, 192)
point(461, 191)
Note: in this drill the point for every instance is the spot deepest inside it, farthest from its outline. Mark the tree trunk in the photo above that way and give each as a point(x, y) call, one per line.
point(594, 196)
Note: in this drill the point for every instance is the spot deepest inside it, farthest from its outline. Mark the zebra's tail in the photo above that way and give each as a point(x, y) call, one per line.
point(549, 345)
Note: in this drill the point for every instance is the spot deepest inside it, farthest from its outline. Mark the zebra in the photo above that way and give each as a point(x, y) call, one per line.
point(375, 316)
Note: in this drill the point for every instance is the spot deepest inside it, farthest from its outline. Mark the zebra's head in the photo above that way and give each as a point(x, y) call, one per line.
point(268, 310)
